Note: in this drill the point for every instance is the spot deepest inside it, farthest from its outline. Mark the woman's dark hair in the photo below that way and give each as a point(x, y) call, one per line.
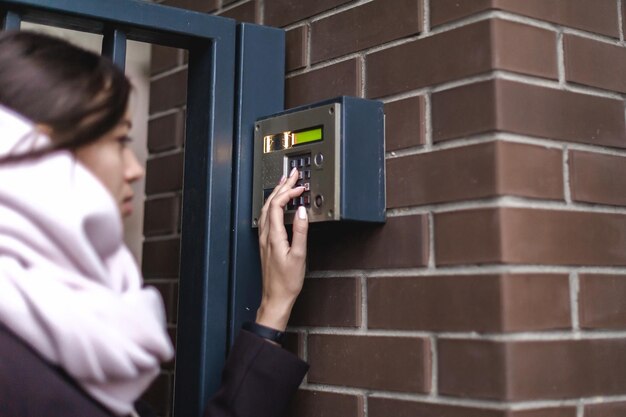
point(79, 94)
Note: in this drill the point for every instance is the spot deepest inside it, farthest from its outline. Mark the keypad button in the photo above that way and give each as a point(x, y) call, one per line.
point(307, 186)
point(307, 161)
point(307, 174)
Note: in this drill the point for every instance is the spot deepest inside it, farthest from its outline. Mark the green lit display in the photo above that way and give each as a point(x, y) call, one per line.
point(307, 136)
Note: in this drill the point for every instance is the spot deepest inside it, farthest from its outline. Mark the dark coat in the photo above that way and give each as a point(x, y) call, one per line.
point(259, 379)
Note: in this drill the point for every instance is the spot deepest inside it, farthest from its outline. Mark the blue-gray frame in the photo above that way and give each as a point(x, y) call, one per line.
point(219, 273)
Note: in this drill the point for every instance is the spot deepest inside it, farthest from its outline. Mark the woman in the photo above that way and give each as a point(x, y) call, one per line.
point(79, 335)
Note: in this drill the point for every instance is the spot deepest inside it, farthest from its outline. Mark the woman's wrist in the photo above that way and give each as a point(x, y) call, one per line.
point(274, 315)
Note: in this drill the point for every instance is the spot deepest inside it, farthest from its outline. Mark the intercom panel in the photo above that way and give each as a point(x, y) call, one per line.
point(337, 147)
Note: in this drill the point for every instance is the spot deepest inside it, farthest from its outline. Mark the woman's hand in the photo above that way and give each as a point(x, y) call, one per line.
point(283, 265)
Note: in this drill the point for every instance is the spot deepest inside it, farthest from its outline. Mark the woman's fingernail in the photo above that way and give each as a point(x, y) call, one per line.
point(302, 213)
point(293, 171)
point(282, 179)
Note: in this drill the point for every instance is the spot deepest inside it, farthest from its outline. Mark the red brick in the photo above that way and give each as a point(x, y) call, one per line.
point(468, 237)
point(339, 79)
point(166, 132)
point(530, 236)
point(474, 172)
point(544, 412)
point(161, 216)
point(530, 370)
point(601, 300)
point(158, 394)
point(164, 173)
point(353, 30)
point(296, 44)
point(597, 178)
point(197, 5)
point(502, 105)
point(444, 11)
point(161, 258)
point(245, 12)
point(480, 303)
point(284, 12)
point(334, 302)
point(384, 407)
point(404, 123)
point(389, 363)
point(599, 16)
point(164, 58)
point(169, 294)
point(402, 242)
point(308, 403)
point(616, 409)
point(470, 50)
point(294, 343)
point(168, 92)
point(594, 63)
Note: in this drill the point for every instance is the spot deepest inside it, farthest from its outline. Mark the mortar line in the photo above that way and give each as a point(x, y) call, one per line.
point(560, 56)
point(363, 75)
point(305, 352)
point(431, 241)
point(225, 8)
point(307, 63)
point(580, 409)
point(168, 152)
point(163, 113)
point(620, 20)
point(505, 202)
point(428, 124)
point(566, 177)
point(464, 402)
point(167, 194)
point(574, 288)
point(338, 10)
point(513, 138)
point(261, 12)
point(468, 270)
point(426, 16)
point(555, 85)
point(364, 311)
point(434, 369)
point(170, 71)
point(553, 335)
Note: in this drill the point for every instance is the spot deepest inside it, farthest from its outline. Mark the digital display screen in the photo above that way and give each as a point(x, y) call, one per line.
point(286, 140)
point(307, 136)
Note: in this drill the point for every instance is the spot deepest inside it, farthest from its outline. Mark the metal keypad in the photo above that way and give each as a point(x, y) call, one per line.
point(303, 164)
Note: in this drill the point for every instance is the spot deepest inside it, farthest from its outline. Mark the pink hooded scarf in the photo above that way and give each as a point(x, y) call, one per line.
point(69, 287)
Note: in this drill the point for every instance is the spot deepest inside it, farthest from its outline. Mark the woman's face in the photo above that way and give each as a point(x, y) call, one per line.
point(114, 163)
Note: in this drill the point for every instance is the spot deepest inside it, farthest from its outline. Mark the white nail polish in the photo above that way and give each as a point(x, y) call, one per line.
point(302, 213)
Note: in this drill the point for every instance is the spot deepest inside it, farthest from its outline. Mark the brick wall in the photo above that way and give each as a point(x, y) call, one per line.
point(497, 287)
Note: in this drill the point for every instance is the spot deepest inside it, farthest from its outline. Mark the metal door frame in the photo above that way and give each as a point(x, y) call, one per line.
point(227, 91)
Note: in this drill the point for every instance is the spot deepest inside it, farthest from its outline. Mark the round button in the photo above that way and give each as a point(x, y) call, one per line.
point(319, 159)
point(319, 200)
